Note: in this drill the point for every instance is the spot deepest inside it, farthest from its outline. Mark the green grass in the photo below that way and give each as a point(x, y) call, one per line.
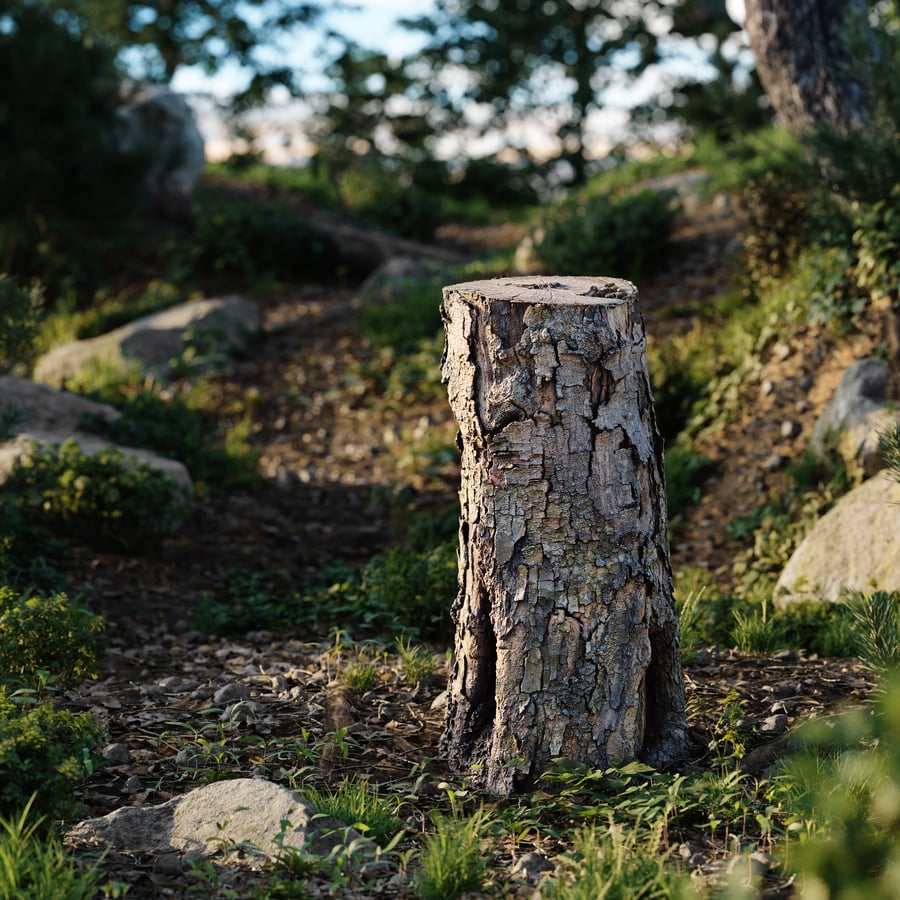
point(361, 805)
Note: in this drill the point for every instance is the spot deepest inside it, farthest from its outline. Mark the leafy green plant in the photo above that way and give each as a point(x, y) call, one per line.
point(176, 426)
point(237, 240)
point(404, 591)
point(419, 663)
point(841, 795)
point(44, 752)
point(685, 470)
point(361, 805)
point(50, 633)
point(453, 860)
point(619, 236)
point(103, 499)
point(19, 324)
point(360, 675)
point(33, 863)
point(617, 863)
point(756, 632)
point(876, 618)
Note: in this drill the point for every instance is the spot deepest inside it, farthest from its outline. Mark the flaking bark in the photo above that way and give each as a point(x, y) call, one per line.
point(566, 630)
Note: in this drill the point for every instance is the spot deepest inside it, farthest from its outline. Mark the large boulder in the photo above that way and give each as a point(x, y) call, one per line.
point(854, 546)
point(855, 419)
point(158, 125)
point(260, 816)
point(223, 324)
point(40, 413)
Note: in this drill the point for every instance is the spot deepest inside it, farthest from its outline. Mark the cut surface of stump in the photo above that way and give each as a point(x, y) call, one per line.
point(566, 629)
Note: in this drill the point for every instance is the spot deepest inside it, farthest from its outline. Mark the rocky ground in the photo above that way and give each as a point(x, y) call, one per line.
point(330, 460)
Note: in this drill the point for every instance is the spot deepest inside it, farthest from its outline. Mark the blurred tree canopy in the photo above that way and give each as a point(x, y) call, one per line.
point(154, 38)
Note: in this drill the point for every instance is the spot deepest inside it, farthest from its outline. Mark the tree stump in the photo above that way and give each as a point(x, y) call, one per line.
point(566, 629)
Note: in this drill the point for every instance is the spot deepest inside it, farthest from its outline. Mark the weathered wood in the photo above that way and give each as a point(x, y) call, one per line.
point(566, 630)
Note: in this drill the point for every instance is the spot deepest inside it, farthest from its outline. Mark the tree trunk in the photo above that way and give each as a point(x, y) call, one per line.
point(801, 60)
point(566, 630)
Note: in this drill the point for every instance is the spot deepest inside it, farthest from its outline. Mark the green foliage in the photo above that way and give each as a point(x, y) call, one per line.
point(19, 322)
point(101, 500)
point(617, 864)
point(359, 804)
point(890, 450)
point(685, 470)
point(34, 865)
point(50, 633)
point(774, 228)
point(236, 241)
point(250, 601)
point(175, 426)
point(410, 314)
point(44, 752)
point(616, 236)
point(876, 619)
point(65, 188)
point(842, 796)
point(418, 662)
point(876, 242)
point(453, 859)
point(401, 592)
point(360, 675)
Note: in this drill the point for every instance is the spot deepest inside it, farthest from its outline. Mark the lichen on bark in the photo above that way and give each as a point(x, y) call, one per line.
point(566, 630)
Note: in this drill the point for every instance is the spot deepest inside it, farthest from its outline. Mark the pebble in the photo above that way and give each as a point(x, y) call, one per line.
point(116, 754)
point(766, 388)
point(237, 690)
point(242, 711)
point(778, 708)
point(790, 429)
point(781, 351)
point(775, 724)
point(756, 865)
point(133, 784)
point(440, 701)
point(776, 461)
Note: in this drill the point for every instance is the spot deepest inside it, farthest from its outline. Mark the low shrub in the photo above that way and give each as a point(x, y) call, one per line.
point(19, 323)
point(54, 633)
point(102, 500)
point(45, 753)
point(237, 241)
point(616, 236)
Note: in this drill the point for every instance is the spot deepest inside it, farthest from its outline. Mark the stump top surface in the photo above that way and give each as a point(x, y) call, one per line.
point(556, 290)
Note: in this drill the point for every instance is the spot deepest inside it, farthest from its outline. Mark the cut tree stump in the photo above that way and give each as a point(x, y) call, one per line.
point(566, 629)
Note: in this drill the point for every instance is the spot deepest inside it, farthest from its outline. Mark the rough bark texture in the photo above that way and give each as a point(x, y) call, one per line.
point(801, 60)
point(566, 630)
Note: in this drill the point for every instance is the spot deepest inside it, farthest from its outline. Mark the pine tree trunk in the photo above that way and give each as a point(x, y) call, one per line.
point(802, 61)
point(566, 630)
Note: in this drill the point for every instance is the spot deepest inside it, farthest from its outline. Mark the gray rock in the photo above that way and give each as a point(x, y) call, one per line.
point(790, 429)
point(198, 823)
point(774, 724)
point(530, 867)
point(116, 754)
point(49, 416)
point(855, 418)
point(230, 693)
point(854, 546)
point(159, 124)
point(154, 341)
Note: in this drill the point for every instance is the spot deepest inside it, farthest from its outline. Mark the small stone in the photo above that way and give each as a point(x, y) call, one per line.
point(439, 702)
point(806, 382)
point(766, 388)
point(133, 785)
point(116, 754)
point(242, 711)
point(530, 867)
point(775, 724)
point(778, 708)
point(776, 461)
point(781, 351)
point(790, 429)
point(785, 655)
point(237, 690)
point(183, 758)
point(755, 865)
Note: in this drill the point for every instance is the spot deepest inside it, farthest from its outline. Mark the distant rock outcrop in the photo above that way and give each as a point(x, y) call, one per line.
point(855, 419)
point(222, 325)
point(855, 546)
point(158, 125)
